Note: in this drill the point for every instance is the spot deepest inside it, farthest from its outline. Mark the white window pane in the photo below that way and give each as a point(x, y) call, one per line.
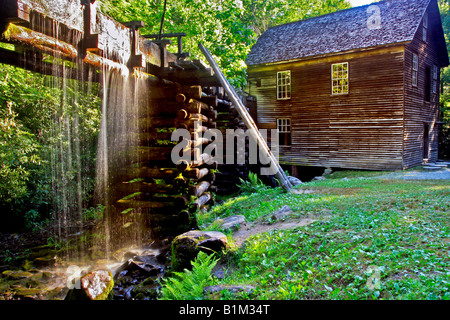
point(283, 85)
point(339, 78)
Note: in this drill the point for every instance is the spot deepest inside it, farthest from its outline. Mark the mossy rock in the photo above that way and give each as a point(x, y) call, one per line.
point(47, 261)
point(17, 275)
point(57, 293)
point(30, 293)
point(186, 247)
point(144, 290)
point(27, 265)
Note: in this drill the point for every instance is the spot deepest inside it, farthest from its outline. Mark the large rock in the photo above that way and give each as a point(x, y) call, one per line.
point(43, 262)
point(186, 246)
point(327, 172)
point(232, 222)
point(283, 213)
point(95, 285)
point(294, 181)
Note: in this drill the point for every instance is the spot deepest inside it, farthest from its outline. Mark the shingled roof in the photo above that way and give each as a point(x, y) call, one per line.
point(339, 31)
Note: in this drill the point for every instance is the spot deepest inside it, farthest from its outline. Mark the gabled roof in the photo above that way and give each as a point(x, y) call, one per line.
point(341, 31)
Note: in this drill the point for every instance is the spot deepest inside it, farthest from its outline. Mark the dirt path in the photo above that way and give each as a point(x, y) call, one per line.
point(246, 231)
point(251, 229)
point(442, 174)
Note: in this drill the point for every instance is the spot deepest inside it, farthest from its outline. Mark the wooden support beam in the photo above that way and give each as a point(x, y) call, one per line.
point(25, 36)
point(247, 119)
point(201, 201)
point(183, 165)
point(192, 92)
point(136, 60)
point(197, 174)
point(199, 189)
point(183, 115)
point(210, 100)
point(200, 64)
point(145, 172)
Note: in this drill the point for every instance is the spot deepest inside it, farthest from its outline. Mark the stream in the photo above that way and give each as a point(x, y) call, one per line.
point(49, 274)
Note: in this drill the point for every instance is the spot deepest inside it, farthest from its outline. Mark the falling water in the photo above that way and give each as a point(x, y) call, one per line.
point(78, 182)
point(71, 173)
point(122, 97)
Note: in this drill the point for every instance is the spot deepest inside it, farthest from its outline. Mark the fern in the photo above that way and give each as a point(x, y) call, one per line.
point(254, 184)
point(188, 285)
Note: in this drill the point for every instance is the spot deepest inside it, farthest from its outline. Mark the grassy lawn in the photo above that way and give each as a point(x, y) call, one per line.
point(372, 239)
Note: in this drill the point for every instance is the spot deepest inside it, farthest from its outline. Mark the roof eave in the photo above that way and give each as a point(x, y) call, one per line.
point(333, 54)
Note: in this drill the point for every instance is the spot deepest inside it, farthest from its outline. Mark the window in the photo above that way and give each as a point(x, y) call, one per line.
point(339, 78)
point(425, 27)
point(415, 69)
point(426, 140)
point(284, 85)
point(435, 79)
point(284, 131)
point(427, 84)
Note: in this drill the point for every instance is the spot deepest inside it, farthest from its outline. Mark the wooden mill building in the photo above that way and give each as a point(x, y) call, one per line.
point(358, 88)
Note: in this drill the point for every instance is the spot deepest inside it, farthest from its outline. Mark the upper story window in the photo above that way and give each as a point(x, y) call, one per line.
point(284, 85)
point(415, 69)
point(435, 79)
point(425, 27)
point(339, 78)
point(284, 131)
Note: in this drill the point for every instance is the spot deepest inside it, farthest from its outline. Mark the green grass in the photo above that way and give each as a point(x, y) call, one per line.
point(400, 228)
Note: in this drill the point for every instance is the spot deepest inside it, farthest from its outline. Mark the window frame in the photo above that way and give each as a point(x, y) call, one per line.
point(415, 70)
point(284, 85)
point(284, 127)
point(338, 82)
point(435, 78)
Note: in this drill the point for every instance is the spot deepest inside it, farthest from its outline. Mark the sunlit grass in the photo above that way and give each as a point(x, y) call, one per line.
point(400, 227)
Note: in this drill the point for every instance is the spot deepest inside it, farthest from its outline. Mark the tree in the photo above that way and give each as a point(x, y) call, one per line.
point(444, 134)
point(18, 157)
point(263, 14)
point(228, 28)
point(48, 129)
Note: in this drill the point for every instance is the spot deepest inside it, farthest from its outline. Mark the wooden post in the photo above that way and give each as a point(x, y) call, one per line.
point(254, 132)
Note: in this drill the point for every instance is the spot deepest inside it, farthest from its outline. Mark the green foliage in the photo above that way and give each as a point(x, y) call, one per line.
point(254, 184)
point(188, 285)
point(228, 28)
point(19, 156)
point(400, 227)
point(47, 145)
point(94, 213)
point(262, 15)
point(444, 134)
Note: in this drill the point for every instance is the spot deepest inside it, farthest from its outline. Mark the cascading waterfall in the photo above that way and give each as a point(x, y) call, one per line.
point(70, 174)
point(117, 150)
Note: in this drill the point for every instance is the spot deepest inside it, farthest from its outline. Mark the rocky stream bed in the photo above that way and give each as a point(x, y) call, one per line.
point(31, 270)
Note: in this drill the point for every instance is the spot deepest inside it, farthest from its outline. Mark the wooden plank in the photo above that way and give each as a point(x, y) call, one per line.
point(347, 131)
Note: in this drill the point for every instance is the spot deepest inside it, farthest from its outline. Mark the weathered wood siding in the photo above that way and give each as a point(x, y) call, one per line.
point(419, 112)
point(360, 130)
